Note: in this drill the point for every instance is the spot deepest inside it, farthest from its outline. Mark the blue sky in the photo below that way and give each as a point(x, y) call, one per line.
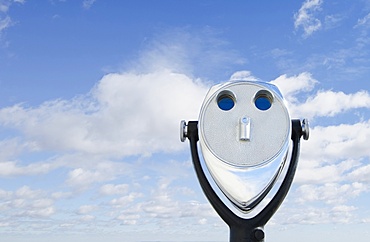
point(92, 93)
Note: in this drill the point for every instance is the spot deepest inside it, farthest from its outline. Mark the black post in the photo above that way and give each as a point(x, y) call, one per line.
point(245, 233)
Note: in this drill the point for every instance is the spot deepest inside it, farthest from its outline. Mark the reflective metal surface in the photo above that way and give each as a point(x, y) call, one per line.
point(305, 129)
point(244, 134)
point(183, 131)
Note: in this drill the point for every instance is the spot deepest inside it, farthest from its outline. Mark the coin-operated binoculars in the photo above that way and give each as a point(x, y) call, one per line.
point(250, 148)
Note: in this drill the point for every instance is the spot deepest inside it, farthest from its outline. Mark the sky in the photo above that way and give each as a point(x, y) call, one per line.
point(93, 92)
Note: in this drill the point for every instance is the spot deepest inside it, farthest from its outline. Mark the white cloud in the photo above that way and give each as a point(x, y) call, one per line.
point(129, 218)
point(324, 173)
point(61, 195)
point(11, 147)
point(333, 21)
point(25, 203)
point(27, 193)
point(324, 103)
point(243, 75)
point(5, 195)
point(87, 218)
point(338, 142)
point(291, 86)
point(126, 200)
point(306, 19)
point(342, 214)
point(4, 6)
point(5, 20)
point(361, 174)
point(200, 53)
point(87, 4)
point(5, 23)
point(85, 209)
point(126, 114)
point(111, 189)
point(333, 166)
point(10, 168)
point(82, 179)
point(329, 193)
point(330, 103)
point(166, 207)
point(43, 212)
point(329, 145)
point(365, 21)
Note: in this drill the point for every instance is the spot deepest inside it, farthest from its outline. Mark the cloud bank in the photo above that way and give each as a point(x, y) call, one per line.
point(125, 114)
point(334, 163)
point(129, 114)
point(115, 157)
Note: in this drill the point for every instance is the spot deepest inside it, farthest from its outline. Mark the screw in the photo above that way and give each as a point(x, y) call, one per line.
point(183, 130)
point(259, 235)
point(305, 129)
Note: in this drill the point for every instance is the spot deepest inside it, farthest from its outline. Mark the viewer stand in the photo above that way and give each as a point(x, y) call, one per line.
point(245, 230)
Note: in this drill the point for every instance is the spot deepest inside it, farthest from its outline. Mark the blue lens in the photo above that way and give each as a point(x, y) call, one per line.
point(225, 103)
point(262, 103)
